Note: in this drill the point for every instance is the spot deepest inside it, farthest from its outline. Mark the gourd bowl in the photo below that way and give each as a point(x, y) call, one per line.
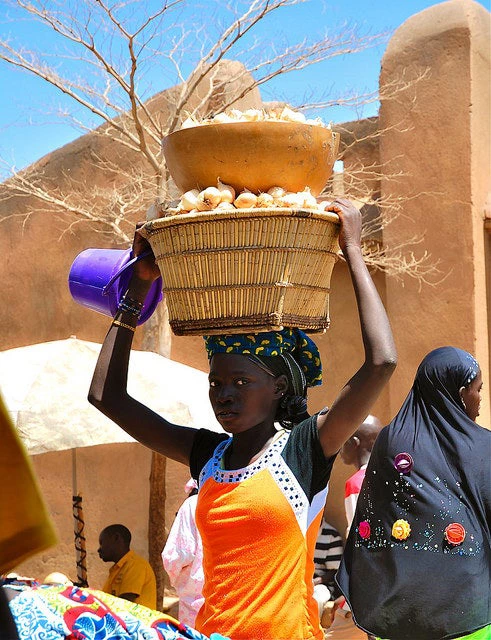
point(252, 155)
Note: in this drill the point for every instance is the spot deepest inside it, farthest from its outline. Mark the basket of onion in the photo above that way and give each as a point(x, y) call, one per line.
point(232, 268)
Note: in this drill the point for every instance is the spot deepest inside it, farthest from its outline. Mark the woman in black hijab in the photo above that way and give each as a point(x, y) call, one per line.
point(417, 561)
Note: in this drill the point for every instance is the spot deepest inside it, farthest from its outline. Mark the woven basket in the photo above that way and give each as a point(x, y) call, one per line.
point(247, 270)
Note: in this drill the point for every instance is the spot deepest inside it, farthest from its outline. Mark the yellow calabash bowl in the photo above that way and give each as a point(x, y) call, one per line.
point(252, 155)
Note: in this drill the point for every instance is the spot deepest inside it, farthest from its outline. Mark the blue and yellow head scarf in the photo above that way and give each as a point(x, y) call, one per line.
point(272, 343)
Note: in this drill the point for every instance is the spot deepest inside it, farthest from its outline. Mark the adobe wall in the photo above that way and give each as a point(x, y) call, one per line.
point(113, 483)
point(436, 133)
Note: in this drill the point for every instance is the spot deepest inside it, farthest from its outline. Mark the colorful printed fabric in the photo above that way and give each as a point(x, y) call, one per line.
point(272, 343)
point(53, 613)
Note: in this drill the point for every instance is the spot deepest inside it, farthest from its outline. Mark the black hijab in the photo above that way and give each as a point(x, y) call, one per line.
point(417, 560)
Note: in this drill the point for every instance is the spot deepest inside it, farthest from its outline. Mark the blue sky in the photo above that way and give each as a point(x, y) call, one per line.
point(28, 129)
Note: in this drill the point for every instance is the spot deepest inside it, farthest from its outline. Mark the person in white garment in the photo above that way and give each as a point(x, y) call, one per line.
point(182, 557)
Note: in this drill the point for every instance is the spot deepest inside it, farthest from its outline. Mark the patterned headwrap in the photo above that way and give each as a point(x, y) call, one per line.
point(290, 343)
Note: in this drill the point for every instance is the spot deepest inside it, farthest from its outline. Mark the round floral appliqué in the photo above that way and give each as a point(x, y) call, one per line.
point(364, 529)
point(401, 529)
point(455, 534)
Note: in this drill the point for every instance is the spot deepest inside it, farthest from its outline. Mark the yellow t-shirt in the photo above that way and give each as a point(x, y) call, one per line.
point(133, 574)
point(25, 527)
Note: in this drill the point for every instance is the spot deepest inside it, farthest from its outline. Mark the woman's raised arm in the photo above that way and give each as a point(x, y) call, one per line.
point(108, 389)
point(360, 392)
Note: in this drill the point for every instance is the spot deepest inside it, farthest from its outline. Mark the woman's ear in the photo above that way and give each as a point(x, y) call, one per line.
point(281, 386)
point(461, 394)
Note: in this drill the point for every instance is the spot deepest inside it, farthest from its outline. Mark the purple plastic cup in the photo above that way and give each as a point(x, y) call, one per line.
point(99, 278)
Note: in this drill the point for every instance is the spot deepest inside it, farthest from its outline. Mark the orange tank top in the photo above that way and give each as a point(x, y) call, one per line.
point(259, 526)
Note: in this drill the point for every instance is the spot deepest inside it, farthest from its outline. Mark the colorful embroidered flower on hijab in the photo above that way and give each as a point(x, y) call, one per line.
point(272, 343)
point(364, 529)
point(455, 534)
point(401, 529)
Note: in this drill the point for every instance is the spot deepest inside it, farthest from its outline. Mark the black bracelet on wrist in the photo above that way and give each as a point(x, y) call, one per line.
point(131, 306)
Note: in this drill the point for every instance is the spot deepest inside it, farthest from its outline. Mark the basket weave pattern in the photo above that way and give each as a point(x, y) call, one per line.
point(245, 270)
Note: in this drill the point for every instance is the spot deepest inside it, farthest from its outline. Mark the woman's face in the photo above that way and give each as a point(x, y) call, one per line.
point(241, 394)
point(471, 397)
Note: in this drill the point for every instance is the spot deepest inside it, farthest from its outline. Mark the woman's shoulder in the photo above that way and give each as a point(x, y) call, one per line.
point(206, 441)
point(204, 444)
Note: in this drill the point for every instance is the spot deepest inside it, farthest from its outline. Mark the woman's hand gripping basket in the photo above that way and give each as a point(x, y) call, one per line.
point(234, 270)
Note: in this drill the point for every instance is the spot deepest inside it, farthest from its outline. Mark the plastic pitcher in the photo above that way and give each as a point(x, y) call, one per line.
point(99, 278)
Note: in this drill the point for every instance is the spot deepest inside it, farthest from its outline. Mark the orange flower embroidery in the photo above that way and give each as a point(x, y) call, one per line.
point(455, 534)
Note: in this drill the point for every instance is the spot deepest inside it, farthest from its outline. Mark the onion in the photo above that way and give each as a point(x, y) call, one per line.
point(276, 192)
point(227, 192)
point(246, 200)
point(188, 123)
point(253, 115)
point(291, 200)
point(292, 116)
point(236, 115)
point(309, 201)
point(188, 200)
point(208, 199)
point(221, 118)
point(265, 200)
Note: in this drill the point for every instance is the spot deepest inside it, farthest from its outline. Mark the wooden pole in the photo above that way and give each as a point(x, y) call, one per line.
point(156, 522)
point(79, 524)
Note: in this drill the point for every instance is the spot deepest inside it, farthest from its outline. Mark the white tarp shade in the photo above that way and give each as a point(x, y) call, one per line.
point(45, 388)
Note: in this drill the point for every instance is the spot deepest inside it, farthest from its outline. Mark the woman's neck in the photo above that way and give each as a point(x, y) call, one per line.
point(248, 446)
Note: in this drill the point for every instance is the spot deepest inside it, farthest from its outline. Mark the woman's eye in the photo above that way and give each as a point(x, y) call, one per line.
point(241, 381)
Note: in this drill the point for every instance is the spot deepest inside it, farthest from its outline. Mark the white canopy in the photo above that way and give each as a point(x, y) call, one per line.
point(45, 388)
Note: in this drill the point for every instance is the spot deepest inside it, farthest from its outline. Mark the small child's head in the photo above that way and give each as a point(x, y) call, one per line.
point(356, 450)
